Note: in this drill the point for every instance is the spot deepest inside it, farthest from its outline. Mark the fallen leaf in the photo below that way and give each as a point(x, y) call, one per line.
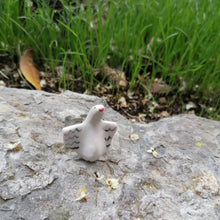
point(159, 87)
point(190, 105)
point(144, 100)
point(29, 70)
point(130, 94)
point(14, 147)
point(164, 114)
point(134, 137)
point(162, 100)
point(152, 106)
point(99, 178)
point(2, 83)
point(59, 70)
point(113, 183)
point(142, 117)
point(84, 199)
point(114, 76)
point(122, 102)
point(43, 83)
point(153, 152)
point(82, 195)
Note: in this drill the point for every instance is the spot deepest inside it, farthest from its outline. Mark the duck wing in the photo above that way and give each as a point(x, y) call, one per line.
point(72, 136)
point(109, 130)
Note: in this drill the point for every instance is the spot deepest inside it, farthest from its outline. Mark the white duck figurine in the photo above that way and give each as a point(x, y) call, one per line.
point(92, 137)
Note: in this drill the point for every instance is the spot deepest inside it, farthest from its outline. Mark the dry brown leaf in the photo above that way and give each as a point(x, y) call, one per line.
point(122, 102)
point(14, 146)
point(29, 70)
point(159, 87)
point(115, 75)
point(162, 100)
point(164, 114)
point(134, 137)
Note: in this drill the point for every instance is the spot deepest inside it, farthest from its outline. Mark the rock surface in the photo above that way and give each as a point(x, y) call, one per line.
point(40, 180)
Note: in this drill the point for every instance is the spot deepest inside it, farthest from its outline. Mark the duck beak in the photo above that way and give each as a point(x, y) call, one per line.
point(101, 109)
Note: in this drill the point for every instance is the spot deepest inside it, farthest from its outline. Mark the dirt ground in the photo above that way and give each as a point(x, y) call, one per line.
point(148, 101)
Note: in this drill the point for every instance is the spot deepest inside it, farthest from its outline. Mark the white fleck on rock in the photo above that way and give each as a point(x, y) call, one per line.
point(82, 195)
point(14, 147)
point(153, 151)
point(134, 137)
point(100, 178)
point(113, 183)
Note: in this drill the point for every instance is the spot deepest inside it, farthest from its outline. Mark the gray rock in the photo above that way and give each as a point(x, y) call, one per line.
point(40, 180)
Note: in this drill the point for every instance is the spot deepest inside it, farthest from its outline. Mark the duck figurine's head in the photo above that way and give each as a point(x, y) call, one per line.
point(95, 114)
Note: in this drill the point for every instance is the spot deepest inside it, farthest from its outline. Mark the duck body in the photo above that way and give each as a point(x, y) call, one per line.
point(93, 137)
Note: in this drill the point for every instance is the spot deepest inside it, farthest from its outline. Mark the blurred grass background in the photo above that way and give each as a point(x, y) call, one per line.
point(178, 41)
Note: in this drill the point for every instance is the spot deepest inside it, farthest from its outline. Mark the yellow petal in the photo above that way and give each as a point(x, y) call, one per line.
point(199, 144)
point(82, 195)
point(83, 191)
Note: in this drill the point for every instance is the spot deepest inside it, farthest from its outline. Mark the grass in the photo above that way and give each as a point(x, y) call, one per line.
point(178, 41)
